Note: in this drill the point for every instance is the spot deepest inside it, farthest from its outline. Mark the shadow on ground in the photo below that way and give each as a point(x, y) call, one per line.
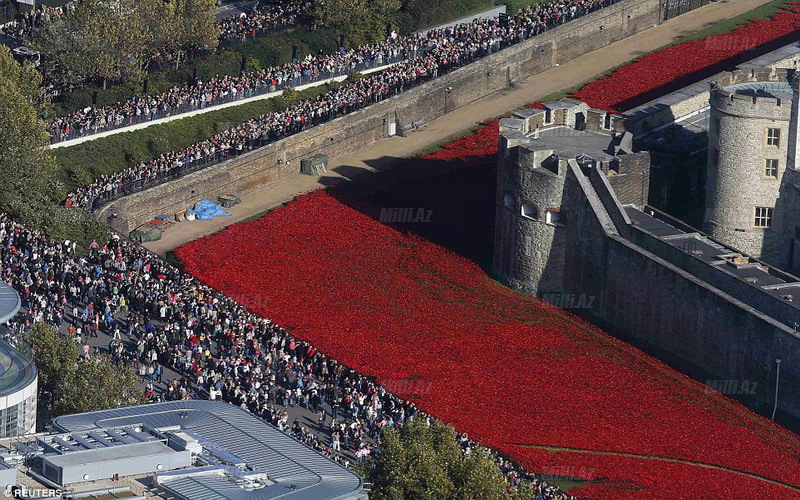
point(450, 203)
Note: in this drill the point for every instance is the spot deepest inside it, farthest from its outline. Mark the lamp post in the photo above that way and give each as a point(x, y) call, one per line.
point(777, 381)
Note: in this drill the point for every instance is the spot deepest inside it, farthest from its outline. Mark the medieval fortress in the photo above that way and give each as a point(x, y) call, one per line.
point(576, 222)
point(578, 190)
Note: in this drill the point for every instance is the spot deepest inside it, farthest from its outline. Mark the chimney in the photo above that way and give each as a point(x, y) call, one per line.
point(793, 153)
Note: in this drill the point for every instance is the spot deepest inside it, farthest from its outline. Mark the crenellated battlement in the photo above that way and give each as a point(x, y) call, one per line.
point(757, 92)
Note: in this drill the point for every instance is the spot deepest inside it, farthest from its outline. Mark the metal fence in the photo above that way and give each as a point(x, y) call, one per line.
point(674, 8)
point(227, 97)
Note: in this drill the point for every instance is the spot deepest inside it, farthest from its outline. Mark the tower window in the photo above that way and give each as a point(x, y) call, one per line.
point(763, 217)
point(771, 168)
point(529, 211)
point(607, 121)
point(553, 217)
point(774, 137)
point(508, 202)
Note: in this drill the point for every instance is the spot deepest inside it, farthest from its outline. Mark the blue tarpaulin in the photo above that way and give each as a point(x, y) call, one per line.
point(207, 210)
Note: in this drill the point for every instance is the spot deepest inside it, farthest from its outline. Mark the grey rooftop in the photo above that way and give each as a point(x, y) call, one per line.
point(777, 90)
point(714, 254)
point(295, 471)
point(568, 142)
point(9, 303)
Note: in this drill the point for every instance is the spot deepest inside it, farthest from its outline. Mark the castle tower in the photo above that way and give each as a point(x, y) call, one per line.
point(536, 209)
point(749, 144)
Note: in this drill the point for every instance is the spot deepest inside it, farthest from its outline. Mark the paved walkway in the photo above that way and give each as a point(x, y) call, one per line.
point(391, 150)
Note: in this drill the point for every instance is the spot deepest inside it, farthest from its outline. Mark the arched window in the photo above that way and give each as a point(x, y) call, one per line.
point(508, 202)
point(553, 217)
point(529, 211)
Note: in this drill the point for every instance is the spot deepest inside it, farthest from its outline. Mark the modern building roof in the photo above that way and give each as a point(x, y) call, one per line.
point(294, 470)
point(778, 90)
point(145, 449)
point(9, 303)
point(17, 370)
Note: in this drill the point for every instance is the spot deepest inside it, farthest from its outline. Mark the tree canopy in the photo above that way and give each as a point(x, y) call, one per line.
point(29, 190)
point(116, 40)
point(362, 21)
point(422, 461)
point(69, 383)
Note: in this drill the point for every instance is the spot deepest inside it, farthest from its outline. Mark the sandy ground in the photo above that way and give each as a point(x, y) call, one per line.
point(389, 151)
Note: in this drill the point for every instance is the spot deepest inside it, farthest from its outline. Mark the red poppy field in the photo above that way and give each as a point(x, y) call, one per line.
point(511, 371)
point(515, 373)
point(674, 67)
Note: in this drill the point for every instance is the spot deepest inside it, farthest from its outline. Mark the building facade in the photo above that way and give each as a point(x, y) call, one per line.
point(18, 376)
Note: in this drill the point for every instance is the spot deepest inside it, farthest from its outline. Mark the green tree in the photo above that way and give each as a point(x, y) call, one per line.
point(362, 21)
point(70, 384)
point(421, 461)
point(193, 27)
point(84, 42)
point(115, 41)
point(97, 384)
point(25, 163)
point(54, 356)
point(29, 189)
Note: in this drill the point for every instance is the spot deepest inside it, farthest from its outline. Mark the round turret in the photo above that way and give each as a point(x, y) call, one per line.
point(747, 155)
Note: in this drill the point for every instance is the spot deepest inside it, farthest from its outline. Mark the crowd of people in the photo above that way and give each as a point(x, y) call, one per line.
point(437, 51)
point(263, 19)
point(24, 25)
point(180, 99)
point(158, 316)
point(221, 89)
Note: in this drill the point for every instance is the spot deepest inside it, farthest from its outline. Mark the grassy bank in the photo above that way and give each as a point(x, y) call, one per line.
point(83, 163)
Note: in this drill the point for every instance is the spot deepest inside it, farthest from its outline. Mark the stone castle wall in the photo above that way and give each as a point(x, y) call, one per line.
point(368, 126)
point(666, 304)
